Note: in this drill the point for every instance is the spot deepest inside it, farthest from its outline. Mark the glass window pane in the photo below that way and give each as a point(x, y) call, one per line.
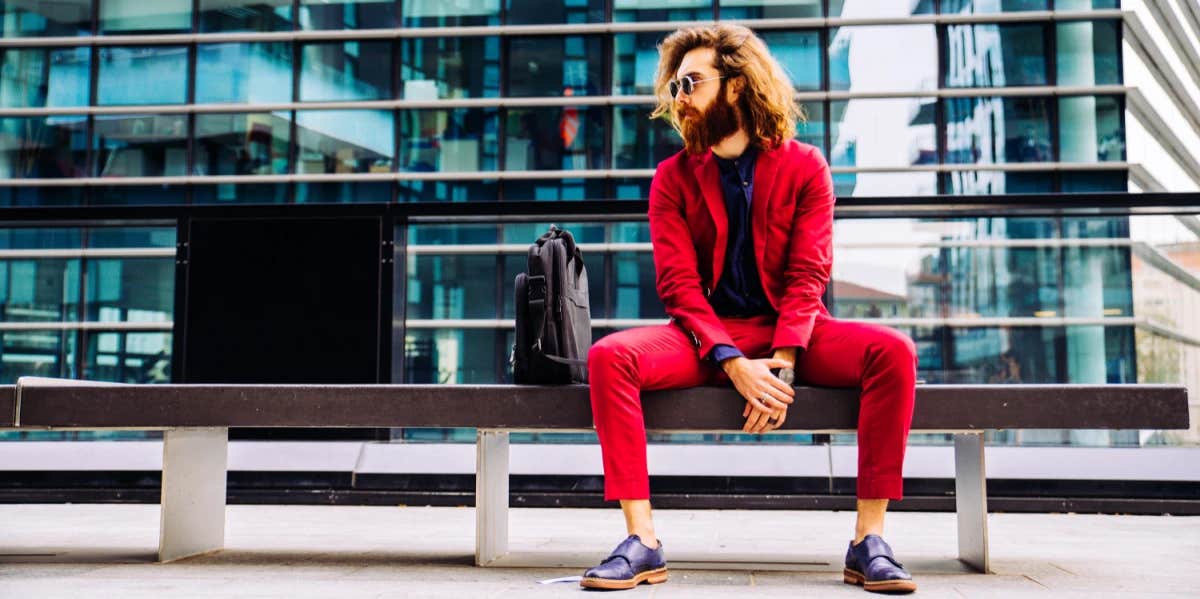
point(1096, 282)
point(452, 286)
point(997, 182)
point(1093, 181)
point(555, 66)
point(45, 18)
point(451, 234)
point(454, 356)
point(849, 8)
point(128, 357)
point(891, 132)
point(131, 237)
point(28, 195)
point(129, 195)
point(1089, 53)
point(346, 71)
point(635, 57)
point(555, 138)
point(439, 13)
point(244, 73)
point(639, 141)
point(991, 6)
point(449, 140)
point(343, 192)
point(864, 58)
point(43, 147)
point(799, 53)
point(143, 75)
point(139, 16)
point(39, 290)
point(521, 233)
point(347, 14)
point(556, 190)
point(769, 9)
point(245, 193)
point(1089, 129)
point(885, 184)
point(533, 12)
point(36, 353)
point(141, 145)
point(245, 15)
point(242, 144)
point(36, 239)
point(992, 55)
point(131, 289)
point(634, 287)
point(345, 141)
point(998, 130)
point(661, 10)
point(450, 67)
point(812, 130)
point(448, 191)
point(38, 77)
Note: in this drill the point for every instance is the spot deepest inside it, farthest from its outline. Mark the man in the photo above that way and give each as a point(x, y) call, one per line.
point(741, 222)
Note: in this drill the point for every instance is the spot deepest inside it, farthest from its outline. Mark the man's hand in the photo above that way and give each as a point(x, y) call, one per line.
point(766, 396)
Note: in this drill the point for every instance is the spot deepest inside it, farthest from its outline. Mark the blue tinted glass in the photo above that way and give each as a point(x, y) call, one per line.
point(448, 191)
point(555, 138)
point(49, 353)
point(769, 9)
point(661, 10)
point(1094, 181)
point(1090, 128)
point(439, 13)
point(634, 290)
point(346, 71)
point(450, 67)
point(241, 144)
point(838, 8)
point(995, 130)
point(1088, 53)
point(521, 233)
point(345, 141)
point(244, 193)
point(141, 145)
point(45, 18)
point(343, 192)
point(40, 238)
point(997, 182)
point(555, 66)
point(448, 140)
point(245, 15)
point(452, 286)
point(452, 356)
point(131, 289)
point(39, 289)
point(635, 57)
point(640, 142)
point(531, 12)
point(882, 132)
point(451, 234)
point(812, 130)
point(556, 190)
point(128, 357)
point(347, 14)
point(1097, 282)
point(27, 195)
point(37, 77)
point(991, 6)
point(43, 147)
point(136, 16)
point(799, 53)
point(995, 55)
point(139, 195)
point(143, 75)
point(131, 237)
point(244, 73)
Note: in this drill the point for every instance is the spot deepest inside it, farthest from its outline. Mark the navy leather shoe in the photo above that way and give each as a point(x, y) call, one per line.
point(629, 565)
point(872, 565)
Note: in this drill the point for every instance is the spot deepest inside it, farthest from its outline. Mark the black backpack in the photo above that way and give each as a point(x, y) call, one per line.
point(554, 322)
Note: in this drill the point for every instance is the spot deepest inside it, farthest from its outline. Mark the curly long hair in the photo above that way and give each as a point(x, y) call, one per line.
point(767, 102)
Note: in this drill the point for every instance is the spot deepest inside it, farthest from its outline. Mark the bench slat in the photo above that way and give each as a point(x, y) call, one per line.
point(938, 407)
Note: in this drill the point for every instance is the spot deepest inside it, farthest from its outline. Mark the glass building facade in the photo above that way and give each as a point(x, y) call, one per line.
point(306, 101)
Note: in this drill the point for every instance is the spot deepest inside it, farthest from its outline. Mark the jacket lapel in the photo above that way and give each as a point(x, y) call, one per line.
point(709, 179)
point(765, 169)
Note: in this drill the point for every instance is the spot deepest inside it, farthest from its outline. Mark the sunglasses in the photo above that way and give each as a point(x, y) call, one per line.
point(685, 83)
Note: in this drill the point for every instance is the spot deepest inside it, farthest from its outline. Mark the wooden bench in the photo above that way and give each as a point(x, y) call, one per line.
point(196, 420)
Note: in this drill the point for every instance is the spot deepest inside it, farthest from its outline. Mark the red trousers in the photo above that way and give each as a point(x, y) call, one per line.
point(880, 361)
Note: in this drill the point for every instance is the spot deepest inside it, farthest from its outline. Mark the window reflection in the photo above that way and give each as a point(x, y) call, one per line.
point(991, 55)
point(453, 356)
point(555, 66)
point(344, 141)
point(534, 12)
point(19, 18)
point(242, 144)
point(454, 286)
point(661, 10)
point(128, 357)
point(448, 191)
point(245, 15)
point(244, 73)
point(460, 140)
point(864, 58)
point(49, 353)
point(991, 6)
point(37, 77)
point(141, 145)
point(346, 71)
point(892, 132)
point(347, 14)
point(44, 147)
point(449, 67)
point(800, 54)
point(137, 16)
point(555, 138)
point(641, 142)
point(143, 75)
point(769, 9)
point(438, 13)
point(997, 130)
point(1090, 128)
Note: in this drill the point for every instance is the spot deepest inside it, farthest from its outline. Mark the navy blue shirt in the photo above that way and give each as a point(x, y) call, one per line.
point(739, 293)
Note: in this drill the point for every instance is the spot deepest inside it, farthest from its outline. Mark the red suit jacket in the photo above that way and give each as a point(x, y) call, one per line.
point(791, 216)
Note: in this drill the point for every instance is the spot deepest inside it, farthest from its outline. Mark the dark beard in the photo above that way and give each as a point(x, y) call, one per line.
point(703, 131)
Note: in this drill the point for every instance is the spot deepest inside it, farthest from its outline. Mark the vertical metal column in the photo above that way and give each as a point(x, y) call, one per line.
point(491, 496)
point(193, 492)
point(970, 496)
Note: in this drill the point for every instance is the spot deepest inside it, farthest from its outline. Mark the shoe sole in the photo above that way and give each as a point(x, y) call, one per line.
point(878, 586)
point(649, 577)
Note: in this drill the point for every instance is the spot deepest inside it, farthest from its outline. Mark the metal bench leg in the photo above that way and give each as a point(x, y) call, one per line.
point(491, 496)
point(193, 492)
point(970, 496)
